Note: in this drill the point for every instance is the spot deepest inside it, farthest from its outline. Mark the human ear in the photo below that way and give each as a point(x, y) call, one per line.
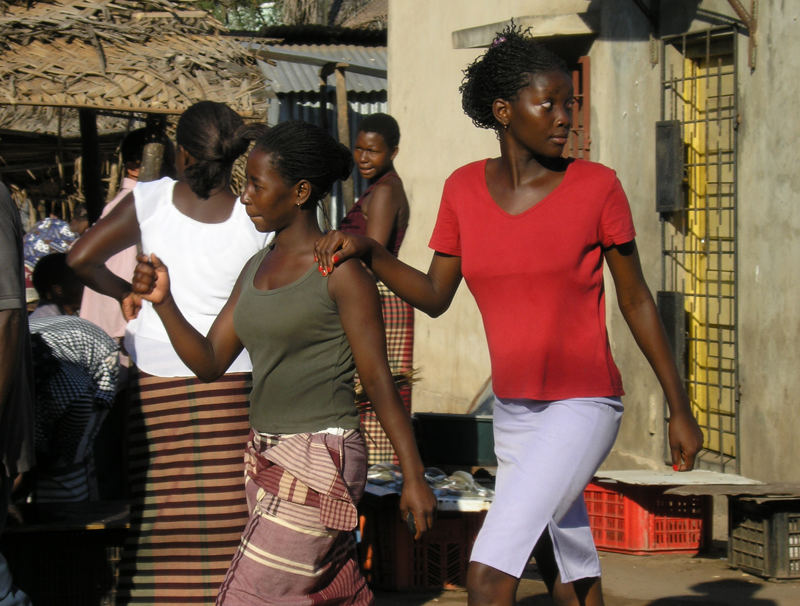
point(303, 189)
point(394, 154)
point(501, 109)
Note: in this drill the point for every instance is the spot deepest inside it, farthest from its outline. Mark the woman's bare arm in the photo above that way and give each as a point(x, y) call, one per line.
point(382, 210)
point(640, 312)
point(356, 297)
point(111, 234)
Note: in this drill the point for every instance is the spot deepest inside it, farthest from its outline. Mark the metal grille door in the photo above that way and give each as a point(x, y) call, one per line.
point(580, 140)
point(697, 204)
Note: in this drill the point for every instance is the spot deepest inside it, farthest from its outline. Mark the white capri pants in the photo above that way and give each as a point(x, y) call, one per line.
point(547, 452)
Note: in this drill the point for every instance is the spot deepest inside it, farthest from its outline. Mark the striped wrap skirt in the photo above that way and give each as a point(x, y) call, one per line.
point(188, 505)
point(299, 547)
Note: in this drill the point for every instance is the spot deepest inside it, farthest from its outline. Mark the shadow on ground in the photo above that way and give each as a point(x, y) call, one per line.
point(724, 592)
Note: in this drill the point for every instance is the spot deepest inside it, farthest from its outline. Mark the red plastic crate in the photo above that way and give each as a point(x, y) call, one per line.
point(390, 559)
point(641, 520)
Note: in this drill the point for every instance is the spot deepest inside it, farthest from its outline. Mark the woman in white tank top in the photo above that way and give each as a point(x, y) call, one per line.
point(184, 437)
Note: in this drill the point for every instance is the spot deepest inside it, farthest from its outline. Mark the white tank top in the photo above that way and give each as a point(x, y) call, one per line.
point(204, 261)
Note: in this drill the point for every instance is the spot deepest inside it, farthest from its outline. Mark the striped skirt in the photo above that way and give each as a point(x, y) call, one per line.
point(188, 504)
point(398, 320)
point(298, 548)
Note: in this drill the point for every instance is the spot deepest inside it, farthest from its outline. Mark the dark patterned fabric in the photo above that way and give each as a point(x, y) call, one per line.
point(398, 319)
point(76, 368)
point(48, 236)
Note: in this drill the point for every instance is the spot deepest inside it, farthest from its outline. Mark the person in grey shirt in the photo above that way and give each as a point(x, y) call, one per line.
point(16, 379)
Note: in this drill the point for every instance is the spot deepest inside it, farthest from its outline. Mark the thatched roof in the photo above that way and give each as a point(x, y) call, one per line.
point(374, 14)
point(153, 56)
point(60, 121)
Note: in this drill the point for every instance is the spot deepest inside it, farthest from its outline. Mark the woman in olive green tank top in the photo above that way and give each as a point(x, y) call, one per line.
point(305, 462)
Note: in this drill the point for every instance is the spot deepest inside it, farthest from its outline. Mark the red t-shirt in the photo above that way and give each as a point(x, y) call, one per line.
point(537, 278)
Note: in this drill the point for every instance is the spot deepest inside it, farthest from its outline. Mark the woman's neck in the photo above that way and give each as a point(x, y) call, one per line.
point(377, 178)
point(216, 208)
point(523, 166)
point(299, 237)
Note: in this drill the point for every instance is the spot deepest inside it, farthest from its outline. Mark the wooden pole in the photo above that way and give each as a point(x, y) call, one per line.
point(90, 164)
point(152, 167)
point(152, 160)
point(343, 124)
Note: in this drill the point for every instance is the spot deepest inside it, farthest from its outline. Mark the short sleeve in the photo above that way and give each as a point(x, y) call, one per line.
point(446, 236)
point(11, 286)
point(616, 221)
point(148, 197)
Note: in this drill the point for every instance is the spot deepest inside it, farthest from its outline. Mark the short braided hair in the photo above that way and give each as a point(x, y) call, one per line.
point(303, 151)
point(383, 124)
point(502, 71)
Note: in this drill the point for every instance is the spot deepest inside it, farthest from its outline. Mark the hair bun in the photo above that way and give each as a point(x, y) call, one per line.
point(252, 132)
point(233, 147)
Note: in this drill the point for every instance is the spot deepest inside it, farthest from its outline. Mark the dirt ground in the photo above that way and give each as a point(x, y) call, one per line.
point(654, 580)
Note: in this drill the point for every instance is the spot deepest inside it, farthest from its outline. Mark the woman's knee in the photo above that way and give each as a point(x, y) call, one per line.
point(487, 586)
point(583, 592)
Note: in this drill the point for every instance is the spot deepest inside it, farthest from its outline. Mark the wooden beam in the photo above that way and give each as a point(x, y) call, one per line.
point(152, 160)
point(542, 26)
point(90, 164)
point(343, 123)
point(751, 22)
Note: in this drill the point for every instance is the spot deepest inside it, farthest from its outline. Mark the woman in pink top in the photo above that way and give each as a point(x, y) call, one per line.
point(530, 231)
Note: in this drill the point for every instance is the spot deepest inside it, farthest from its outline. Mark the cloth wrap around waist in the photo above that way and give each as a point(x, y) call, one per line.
point(304, 469)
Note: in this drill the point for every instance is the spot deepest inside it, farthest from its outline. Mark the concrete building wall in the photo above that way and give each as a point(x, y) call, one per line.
point(769, 248)
point(768, 226)
point(625, 108)
point(424, 74)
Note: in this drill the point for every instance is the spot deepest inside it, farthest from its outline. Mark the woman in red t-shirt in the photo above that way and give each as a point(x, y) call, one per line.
point(530, 231)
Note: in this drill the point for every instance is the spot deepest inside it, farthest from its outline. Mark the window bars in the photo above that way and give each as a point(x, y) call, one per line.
point(696, 199)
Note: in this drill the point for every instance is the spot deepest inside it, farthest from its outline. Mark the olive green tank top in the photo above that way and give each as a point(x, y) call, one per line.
point(302, 364)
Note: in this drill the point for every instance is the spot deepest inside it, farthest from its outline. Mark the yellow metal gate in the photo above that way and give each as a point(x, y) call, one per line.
point(699, 113)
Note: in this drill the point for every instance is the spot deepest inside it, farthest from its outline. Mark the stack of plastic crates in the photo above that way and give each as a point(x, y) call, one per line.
point(638, 519)
point(764, 536)
point(392, 560)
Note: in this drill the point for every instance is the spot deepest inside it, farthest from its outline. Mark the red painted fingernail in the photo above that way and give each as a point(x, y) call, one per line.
point(335, 258)
point(675, 467)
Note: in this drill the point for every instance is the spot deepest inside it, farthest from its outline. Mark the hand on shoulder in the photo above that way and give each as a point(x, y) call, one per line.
point(332, 249)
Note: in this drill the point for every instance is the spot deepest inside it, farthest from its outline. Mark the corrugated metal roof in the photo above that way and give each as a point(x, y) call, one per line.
point(297, 67)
